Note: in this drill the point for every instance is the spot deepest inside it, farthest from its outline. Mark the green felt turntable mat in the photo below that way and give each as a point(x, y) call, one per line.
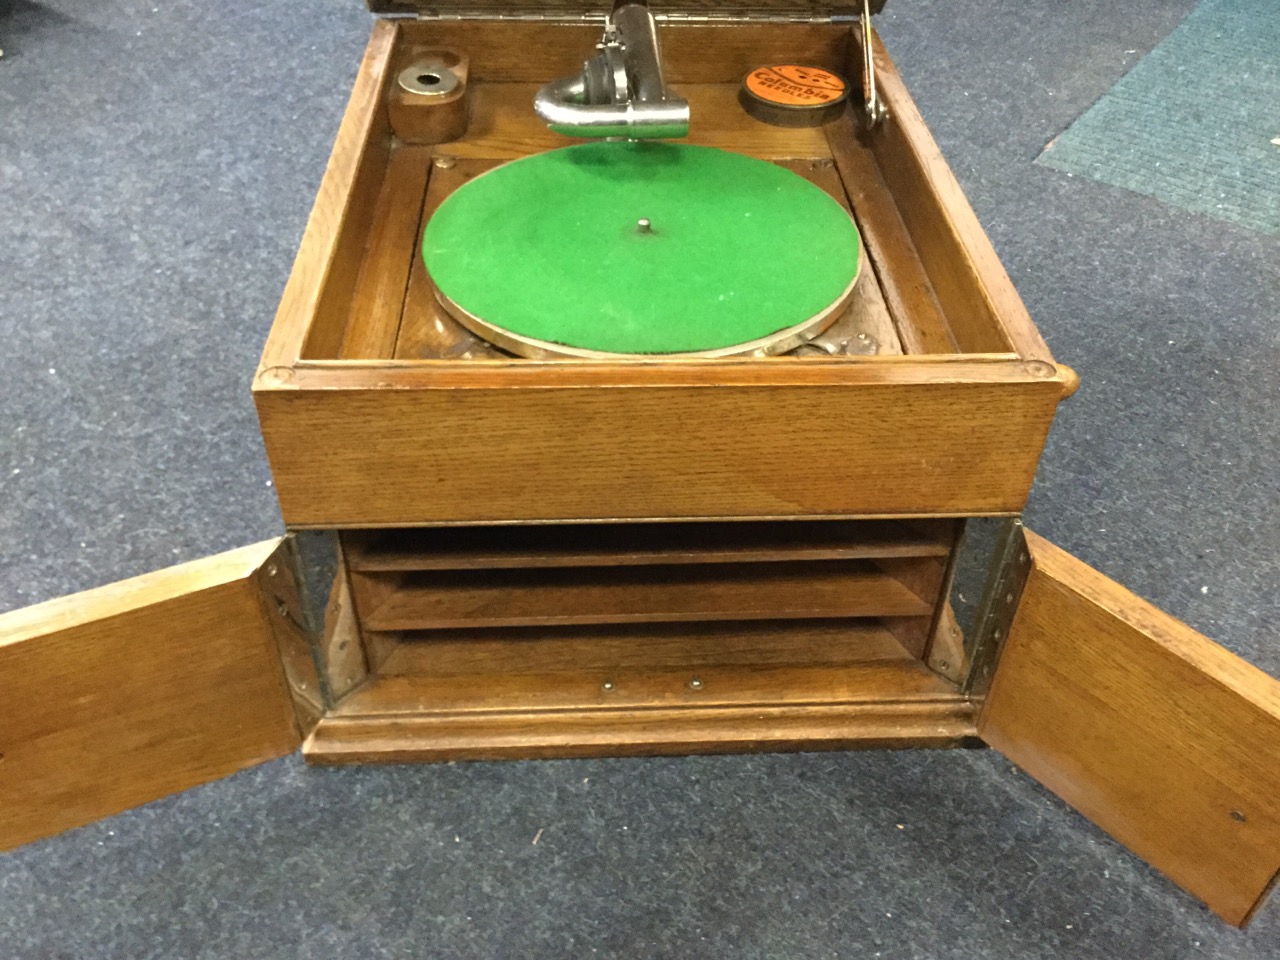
point(550, 248)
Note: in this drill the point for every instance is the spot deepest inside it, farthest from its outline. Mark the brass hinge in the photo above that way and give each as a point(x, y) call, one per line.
point(1000, 598)
point(285, 605)
point(308, 602)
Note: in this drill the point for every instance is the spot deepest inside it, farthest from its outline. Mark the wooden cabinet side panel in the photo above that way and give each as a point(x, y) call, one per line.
point(137, 690)
point(314, 308)
point(1164, 739)
point(405, 457)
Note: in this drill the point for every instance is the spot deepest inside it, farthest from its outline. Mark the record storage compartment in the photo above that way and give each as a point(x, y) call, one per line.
point(570, 557)
point(472, 642)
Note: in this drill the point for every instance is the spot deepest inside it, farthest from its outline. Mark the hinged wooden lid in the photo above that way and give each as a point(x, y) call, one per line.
point(764, 10)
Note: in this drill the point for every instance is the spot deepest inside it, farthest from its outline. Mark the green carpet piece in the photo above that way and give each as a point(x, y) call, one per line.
point(549, 247)
point(1195, 122)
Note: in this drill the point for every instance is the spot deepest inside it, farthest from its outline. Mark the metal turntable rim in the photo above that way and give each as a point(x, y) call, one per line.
point(782, 341)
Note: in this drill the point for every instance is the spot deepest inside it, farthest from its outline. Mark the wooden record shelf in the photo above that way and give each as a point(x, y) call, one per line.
point(582, 639)
point(479, 548)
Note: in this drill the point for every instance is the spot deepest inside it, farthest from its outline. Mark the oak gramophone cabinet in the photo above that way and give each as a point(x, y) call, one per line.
point(490, 556)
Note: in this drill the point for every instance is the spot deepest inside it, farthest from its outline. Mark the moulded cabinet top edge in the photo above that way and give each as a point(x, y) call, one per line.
point(868, 372)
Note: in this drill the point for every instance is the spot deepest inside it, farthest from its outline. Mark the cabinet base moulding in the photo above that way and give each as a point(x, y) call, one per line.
point(946, 722)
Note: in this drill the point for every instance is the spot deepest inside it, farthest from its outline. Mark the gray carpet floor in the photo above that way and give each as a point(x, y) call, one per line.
point(1209, 146)
point(157, 164)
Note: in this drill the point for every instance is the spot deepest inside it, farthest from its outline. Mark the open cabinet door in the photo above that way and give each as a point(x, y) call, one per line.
point(139, 689)
point(1155, 733)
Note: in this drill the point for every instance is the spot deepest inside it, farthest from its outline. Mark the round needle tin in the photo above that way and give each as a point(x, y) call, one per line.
point(790, 95)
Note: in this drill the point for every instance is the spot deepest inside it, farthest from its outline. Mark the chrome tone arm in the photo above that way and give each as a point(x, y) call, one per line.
point(620, 92)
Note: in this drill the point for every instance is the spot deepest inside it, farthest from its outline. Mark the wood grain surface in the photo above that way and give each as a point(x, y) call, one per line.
point(643, 689)
point(636, 544)
point(379, 296)
point(921, 325)
point(426, 330)
point(717, 52)
point(722, 591)
point(872, 724)
point(136, 690)
point(1164, 739)
point(587, 650)
point(872, 440)
point(867, 317)
point(924, 577)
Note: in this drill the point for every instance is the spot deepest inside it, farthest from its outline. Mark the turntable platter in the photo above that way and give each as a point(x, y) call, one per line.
point(627, 248)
